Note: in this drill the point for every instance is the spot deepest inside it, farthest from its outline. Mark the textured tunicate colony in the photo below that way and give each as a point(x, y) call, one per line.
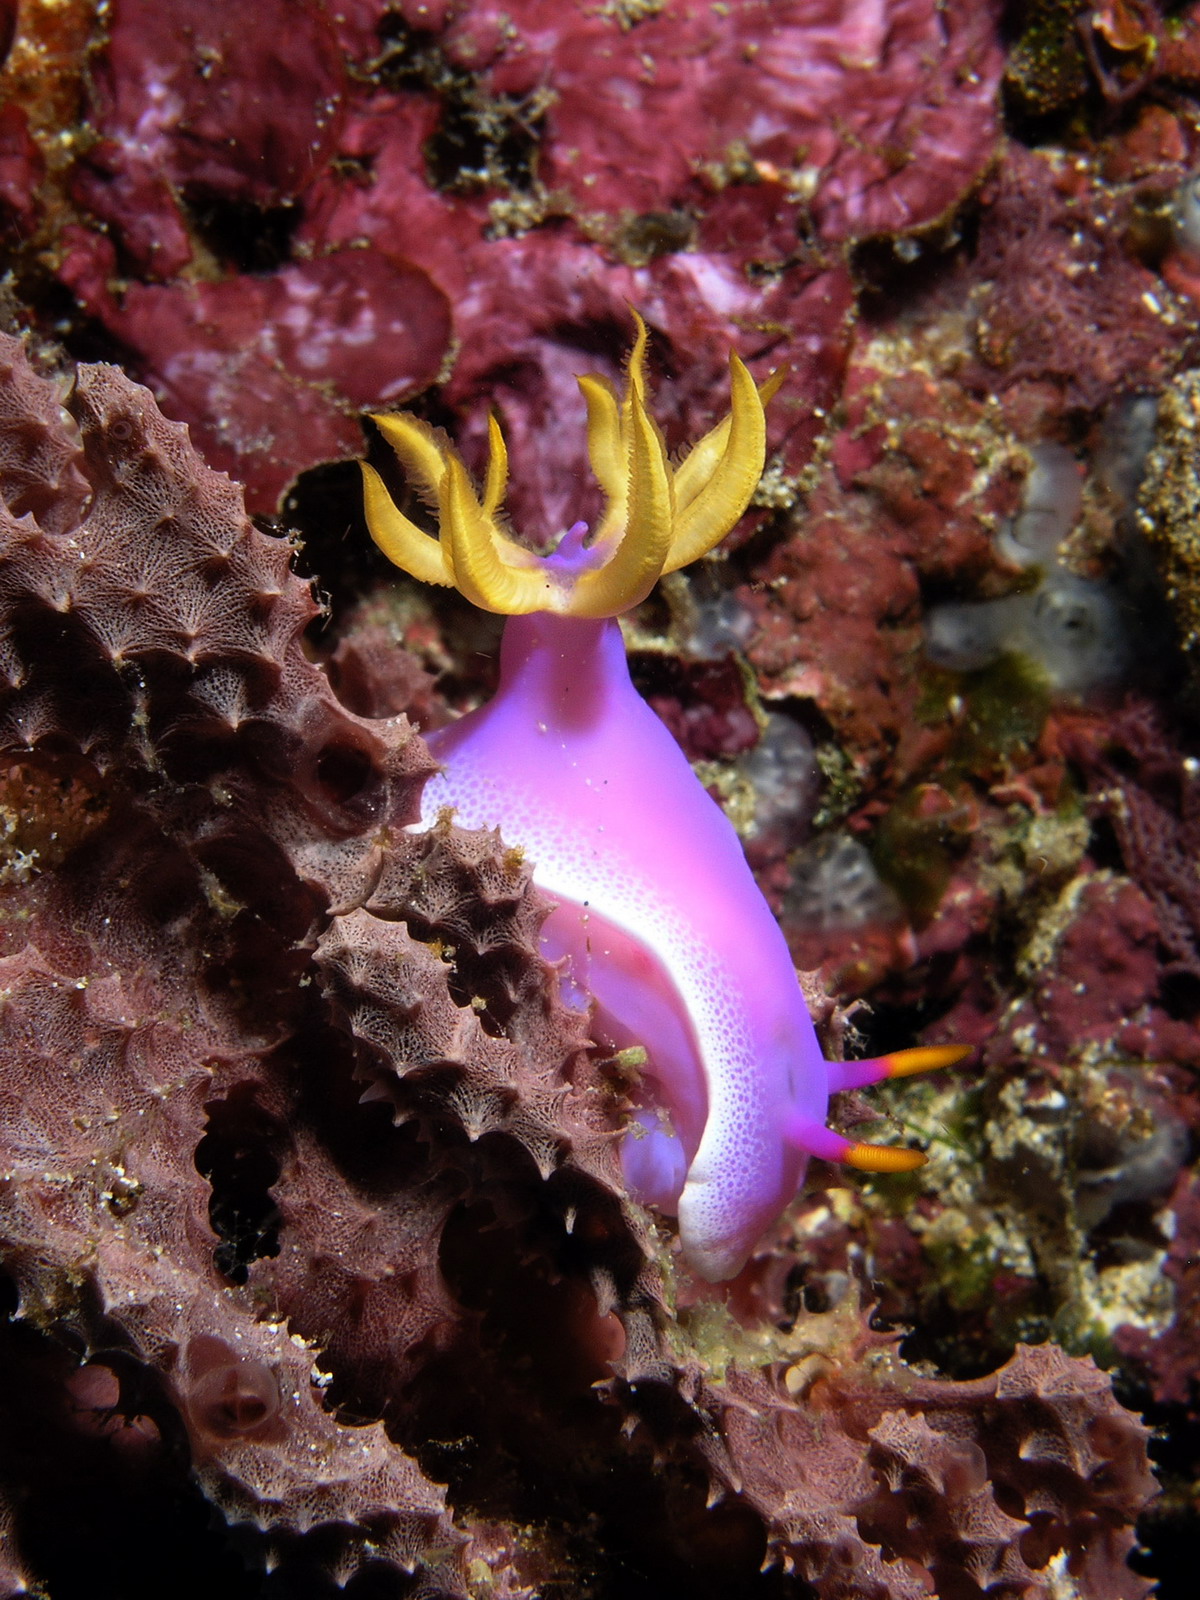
point(835, 888)
point(1072, 628)
point(782, 769)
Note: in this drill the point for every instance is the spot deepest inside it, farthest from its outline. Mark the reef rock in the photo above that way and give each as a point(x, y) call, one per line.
point(1170, 503)
point(309, 1196)
point(487, 198)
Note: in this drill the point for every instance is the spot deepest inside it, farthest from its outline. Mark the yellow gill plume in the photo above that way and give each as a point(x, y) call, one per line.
point(656, 518)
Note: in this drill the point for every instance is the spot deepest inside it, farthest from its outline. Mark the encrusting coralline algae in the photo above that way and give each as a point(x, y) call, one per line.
point(965, 230)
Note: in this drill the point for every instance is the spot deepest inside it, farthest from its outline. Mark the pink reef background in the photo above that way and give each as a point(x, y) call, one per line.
point(316, 1271)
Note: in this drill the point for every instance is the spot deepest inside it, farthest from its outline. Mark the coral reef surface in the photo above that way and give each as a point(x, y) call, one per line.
point(318, 1275)
point(229, 1257)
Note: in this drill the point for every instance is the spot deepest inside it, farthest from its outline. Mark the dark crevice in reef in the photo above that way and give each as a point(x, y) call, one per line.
point(896, 276)
point(135, 1514)
point(481, 139)
point(235, 1156)
point(882, 1027)
point(1167, 1531)
point(545, 1449)
point(244, 237)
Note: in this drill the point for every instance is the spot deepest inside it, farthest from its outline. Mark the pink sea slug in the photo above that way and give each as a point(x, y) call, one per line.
point(657, 914)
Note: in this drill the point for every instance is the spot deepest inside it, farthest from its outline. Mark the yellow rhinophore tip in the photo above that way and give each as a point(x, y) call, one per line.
point(924, 1058)
point(656, 518)
point(883, 1158)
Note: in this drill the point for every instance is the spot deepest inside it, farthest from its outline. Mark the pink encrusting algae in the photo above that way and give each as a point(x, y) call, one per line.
point(308, 1151)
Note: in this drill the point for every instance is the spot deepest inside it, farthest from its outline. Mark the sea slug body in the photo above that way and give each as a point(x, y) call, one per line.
point(661, 922)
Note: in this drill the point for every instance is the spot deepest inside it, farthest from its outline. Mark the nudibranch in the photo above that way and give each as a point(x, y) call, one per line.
point(657, 915)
